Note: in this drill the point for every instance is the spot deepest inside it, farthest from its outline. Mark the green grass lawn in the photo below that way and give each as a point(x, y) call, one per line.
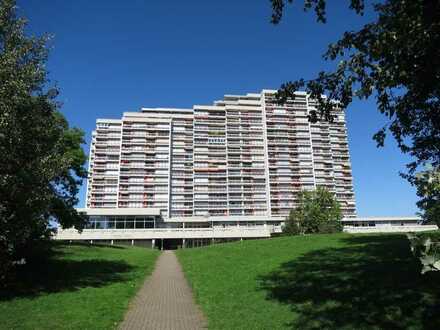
point(81, 287)
point(338, 281)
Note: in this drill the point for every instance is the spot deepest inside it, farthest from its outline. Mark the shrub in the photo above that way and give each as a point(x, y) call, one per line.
point(426, 247)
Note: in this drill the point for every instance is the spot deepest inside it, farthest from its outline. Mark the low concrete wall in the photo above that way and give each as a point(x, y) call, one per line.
point(389, 229)
point(164, 233)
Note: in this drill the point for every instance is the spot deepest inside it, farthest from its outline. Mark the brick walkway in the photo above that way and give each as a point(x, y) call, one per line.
point(165, 300)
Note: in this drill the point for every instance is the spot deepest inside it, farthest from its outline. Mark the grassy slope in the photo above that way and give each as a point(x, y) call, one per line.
point(313, 282)
point(82, 288)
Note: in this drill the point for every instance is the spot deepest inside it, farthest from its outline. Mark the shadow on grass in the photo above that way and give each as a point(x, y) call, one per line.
point(373, 282)
point(58, 275)
point(94, 245)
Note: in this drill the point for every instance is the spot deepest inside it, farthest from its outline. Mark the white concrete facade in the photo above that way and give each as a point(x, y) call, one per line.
point(385, 225)
point(243, 156)
point(229, 170)
point(164, 233)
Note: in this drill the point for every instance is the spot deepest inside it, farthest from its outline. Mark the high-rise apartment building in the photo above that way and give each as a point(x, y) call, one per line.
point(243, 156)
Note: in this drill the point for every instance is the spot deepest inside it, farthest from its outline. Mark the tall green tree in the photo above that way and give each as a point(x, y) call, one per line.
point(317, 212)
point(394, 59)
point(42, 160)
point(428, 187)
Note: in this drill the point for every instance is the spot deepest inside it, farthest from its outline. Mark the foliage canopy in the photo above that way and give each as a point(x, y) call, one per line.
point(42, 159)
point(317, 212)
point(394, 59)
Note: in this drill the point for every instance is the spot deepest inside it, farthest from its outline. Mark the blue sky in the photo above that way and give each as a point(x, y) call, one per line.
point(111, 56)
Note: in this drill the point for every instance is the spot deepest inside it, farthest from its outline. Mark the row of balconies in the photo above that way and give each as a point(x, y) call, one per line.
point(211, 205)
point(292, 133)
point(210, 112)
point(244, 121)
point(103, 198)
point(207, 136)
point(187, 166)
point(180, 175)
point(287, 124)
point(274, 142)
point(103, 127)
point(291, 162)
point(148, 175)
point(142, 157)
point(292, 154)
point(281, 117)
point(231, 124)
point(287, 177)
point(208, 146)
point(181, 208)
point(243, 131)
point(97, 191)
point(272, 120)
point(185, 138)
point(245, 150)
point(246, 144)
point(237, 205)
point(238, 114)
point(144, 205)
point(283, 156)
point(141, 164)
point(127, 144)
point(144, 126)
point(247, 199)
point(280, 150)
point(214, 164)
point(157, 201)
point(145, 149)
point(182, 193)
point(259, 174)
point(158, 128)
point(107, 136)
point(246, 163)
point(210, 213)
point(200, 124)
point(97, 205)
point(246, 183)
point(106, 145)
point(204, 174)
point(245, 160)
point(145, 190)
point(134, 134)
point(245, 189)
point(210, 183)
point(105, 160)
point(137, 179)
point(298, 103)
point(113, 147)
point(290, 188)
point(214, 202)
point(236, 187)
point(212, 192)
point(103, 171)
point(243, 137)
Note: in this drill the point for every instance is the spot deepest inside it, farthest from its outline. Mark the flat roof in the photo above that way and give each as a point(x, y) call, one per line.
point(404, 218)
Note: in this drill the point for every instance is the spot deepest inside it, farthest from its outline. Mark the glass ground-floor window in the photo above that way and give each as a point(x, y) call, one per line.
point(121, 222)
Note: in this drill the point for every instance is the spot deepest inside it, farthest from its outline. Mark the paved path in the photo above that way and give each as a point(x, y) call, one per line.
point(165, 300)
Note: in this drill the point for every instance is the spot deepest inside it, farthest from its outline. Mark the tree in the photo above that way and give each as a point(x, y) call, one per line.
point(428, 187)
point(394, 59)
point(42, 159)
point(317, 212)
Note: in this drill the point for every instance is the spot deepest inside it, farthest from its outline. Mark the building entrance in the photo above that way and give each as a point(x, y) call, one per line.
point(170, 244)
